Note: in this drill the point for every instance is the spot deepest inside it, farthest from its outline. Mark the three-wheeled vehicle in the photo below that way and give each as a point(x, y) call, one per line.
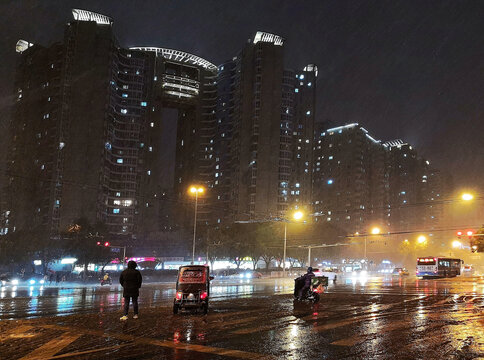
point(318, 286)
point(192, 288)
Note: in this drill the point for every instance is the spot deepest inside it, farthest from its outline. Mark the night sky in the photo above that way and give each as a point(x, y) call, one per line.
point(403, 69)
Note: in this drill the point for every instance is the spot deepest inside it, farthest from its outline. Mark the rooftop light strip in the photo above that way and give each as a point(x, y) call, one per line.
point(372, 139)
point(22, 45)
point(342, 127)
point(178, 55)
point(261, 36)
point(84, 15)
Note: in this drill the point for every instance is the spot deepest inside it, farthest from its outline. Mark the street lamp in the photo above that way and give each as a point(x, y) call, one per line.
point(374, 231)
point(195, 190)
point(456, 244)
point(421, 239)
point(467, 197)
point(298, 215)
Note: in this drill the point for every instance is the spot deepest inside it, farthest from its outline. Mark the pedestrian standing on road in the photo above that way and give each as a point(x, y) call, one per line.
point(130, 279)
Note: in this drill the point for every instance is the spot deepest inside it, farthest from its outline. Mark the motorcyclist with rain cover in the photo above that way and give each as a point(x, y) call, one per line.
point(307, 282)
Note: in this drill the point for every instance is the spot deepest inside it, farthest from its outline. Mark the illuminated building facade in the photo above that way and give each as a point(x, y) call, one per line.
point(262, 105)
point(350, 181)
point(92, 125)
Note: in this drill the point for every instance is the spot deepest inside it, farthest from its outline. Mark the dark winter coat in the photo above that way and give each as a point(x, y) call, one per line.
point(130, 280)
point(307, 279)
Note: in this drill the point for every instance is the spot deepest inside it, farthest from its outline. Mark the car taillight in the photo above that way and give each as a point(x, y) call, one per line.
point(203, 295)
point(179, 295)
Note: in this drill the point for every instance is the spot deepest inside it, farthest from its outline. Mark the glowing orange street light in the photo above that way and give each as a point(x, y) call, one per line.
point(467, 197)
point(375, 231)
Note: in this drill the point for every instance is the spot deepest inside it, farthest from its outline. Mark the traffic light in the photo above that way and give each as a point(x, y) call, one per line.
point(106, 244)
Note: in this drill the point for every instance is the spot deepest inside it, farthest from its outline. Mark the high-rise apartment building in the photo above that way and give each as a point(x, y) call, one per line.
point(416, 190)
point(303, 136)
point(263, 101)
point(92, 133)
point(360, 183)
point(350, 183)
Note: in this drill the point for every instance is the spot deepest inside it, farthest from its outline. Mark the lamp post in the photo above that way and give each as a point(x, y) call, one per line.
point(195, 190)
point(374, 231)
point(298, 215)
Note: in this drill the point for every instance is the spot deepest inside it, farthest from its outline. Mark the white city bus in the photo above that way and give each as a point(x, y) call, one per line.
point(433, 267)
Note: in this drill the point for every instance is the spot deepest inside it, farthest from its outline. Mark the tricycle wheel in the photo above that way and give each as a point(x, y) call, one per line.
point(316, 298)
point(175, 308)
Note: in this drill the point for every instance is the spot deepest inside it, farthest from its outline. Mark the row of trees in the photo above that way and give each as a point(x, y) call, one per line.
point(21, 247)
point(264, 241)
point(238, 242)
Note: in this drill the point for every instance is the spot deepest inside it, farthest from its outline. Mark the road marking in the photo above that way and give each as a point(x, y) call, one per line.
point(263, 328)
point(351, 341)
point(79, 353)
point(18, 332)
point(52, 347)
point(236, 321)
point(168, 344)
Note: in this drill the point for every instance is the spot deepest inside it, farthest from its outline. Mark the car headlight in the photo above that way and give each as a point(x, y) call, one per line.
point(32, 282)
point(4, 282)
point(241, 276)
point(42, 281)
point(248, 276)
point(15, 282)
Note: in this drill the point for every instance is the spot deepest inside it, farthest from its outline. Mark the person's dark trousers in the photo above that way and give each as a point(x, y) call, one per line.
point(126, 304)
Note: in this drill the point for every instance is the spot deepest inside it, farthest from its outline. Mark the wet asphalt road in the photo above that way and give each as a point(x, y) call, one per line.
point(357, 318)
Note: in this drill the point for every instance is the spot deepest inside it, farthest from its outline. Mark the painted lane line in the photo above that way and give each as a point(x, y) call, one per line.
point(52, 347)
point(18, 332)
point(169, 344)
point(266, 327)
point(80, 353)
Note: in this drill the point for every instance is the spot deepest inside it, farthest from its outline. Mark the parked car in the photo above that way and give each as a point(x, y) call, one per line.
point(468, 270)
point(249, 274)
point(400, 272)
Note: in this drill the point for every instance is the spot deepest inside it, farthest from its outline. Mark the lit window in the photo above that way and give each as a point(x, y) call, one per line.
point(149, 172)
point(152, 124)
point(296, 90)
point(309, 84)
point(301, 77)
point(330, 181)
point(115, 211)
point(124, 111)
point(144, 103)
point(308, 112)
point(155, 78)
point(330, 157)
point(125, 95)
point(127, 202)
point(117, 202)
point(297, 185)
point(119, 161)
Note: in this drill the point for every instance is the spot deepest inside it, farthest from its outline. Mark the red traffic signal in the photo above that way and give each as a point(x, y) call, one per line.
point(106, 243)
point(98, 243)
point(470, 233)
point(459, 233)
